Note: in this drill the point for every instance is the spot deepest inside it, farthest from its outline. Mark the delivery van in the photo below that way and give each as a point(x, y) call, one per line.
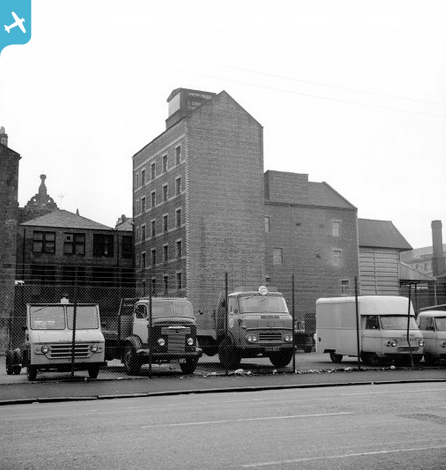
point(432, 324)
point(383, 322)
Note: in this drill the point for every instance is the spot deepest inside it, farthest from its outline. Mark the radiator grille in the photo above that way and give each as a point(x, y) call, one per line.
point(176, 339)
point(270, 336)
point(407, 349)
point(64, 351)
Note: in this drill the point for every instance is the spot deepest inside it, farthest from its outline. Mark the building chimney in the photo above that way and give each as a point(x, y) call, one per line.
point(3, 137)
point(438, 261)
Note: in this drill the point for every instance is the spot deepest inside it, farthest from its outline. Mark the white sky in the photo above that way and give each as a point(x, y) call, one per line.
point(350, 92)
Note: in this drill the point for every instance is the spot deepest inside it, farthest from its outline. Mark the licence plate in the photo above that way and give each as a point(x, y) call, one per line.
point(272, 349)
point(178, 361)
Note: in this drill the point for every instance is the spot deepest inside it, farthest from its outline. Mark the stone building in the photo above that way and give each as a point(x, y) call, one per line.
point(9, 175)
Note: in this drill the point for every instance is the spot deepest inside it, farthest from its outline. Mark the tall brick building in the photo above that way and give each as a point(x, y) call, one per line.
point(9, 175)
point(203, 207)
point(198, 199)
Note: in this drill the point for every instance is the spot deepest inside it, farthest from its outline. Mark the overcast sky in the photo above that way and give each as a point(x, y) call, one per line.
point(352, 93)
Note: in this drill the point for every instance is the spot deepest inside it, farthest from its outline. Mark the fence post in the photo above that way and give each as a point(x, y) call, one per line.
point(293, 314)
point(357, 323)
point(226, 316)
point(149, 326)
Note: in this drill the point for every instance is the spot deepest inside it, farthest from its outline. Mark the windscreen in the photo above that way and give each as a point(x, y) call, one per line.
point(87, 317)
point(47, 317)
point(397, 322)
point(262, 304)
point(441, 323)
point(172, 309)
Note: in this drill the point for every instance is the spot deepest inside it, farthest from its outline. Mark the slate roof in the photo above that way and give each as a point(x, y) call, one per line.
point(65, 219)
point(381, 234)
point(322, 194)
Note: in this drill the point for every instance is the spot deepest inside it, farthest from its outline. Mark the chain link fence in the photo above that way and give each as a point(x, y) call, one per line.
point(301, 304)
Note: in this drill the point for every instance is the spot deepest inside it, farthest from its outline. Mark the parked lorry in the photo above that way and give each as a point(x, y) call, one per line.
point(48, 342)
point(383, 323)
point(154, 331)
point(248, 323)
point(432, 324)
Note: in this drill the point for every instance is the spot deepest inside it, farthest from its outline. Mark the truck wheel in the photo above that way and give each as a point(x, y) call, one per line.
point(31, 372)
point(9, 362)
point(281, 359)
point(429, 359)
point(189, 366)
point(93, 372)
point(228, 354)
point(336, 358)
point(370, 359)
point(132, 363)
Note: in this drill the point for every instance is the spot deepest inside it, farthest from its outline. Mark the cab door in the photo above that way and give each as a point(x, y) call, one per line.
point(140, 322)
point(233, 319)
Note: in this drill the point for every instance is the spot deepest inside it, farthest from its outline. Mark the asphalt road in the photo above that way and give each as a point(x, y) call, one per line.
point(369, 426)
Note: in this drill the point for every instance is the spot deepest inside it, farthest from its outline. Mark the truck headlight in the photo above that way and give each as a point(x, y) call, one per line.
point(161, 341)
point(443, 344)
point(44, 349)
point(288, 338)
point(420, 343)
point(94, 348)
point(392, 343)
point(251, 338)
point(190, 341)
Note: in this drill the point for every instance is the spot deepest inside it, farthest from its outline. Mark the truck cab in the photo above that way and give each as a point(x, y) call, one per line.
point(432, 324)
point(49, 339)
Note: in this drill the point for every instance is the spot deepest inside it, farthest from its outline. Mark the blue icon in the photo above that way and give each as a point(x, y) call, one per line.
point(15, 22)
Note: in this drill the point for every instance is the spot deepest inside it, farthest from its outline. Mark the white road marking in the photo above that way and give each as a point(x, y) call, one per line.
point(398, 392)
point(200, 423)
point(342, 456)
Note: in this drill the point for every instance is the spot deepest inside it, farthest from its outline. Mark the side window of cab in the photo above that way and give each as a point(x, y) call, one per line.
point(232, 305)
point(141, 311)
point(372, 323)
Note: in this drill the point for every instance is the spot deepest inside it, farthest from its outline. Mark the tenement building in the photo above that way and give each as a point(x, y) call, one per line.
point(203, 207)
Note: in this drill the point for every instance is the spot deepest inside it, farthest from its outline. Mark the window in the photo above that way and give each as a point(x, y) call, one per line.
point(278, 256)
point(127, 246)
point(345, 287)
point(178, 155)
point(153, 198)
point(165, 193)
point(267, 224)
point(153, 253)
point(179, 247)
point(137, 206)
point(143, 177)
point(165, 223)
point(44, 242)
point(164, 163)
point(143, 232)
point(372, 322)
point(178, 217)
point(166, 284)
point(166, 253)
point(153, 170)
point(178, 186)
point(103, 245)
point(153, 283)
point(179, 281)
point(138, 233)
point(143, 204)
point(141, 311)
point(143, 260)
point(136, 180)
point(153, 229)
point(337, 257)
point(426, 323)
point(74, 244)
point(336, 228)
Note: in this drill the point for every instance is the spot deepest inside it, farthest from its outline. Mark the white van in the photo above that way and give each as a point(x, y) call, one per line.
point(383, 322)
point(432, 324)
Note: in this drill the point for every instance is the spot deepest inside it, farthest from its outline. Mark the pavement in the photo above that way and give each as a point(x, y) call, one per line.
point(312, 370)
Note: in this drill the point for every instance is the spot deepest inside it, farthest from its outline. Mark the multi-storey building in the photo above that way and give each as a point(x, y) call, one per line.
point(198, 199)
point(9, 174)
point(311, 240)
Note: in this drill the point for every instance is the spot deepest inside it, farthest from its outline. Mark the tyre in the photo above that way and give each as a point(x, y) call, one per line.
point(9, 362)
point(93, 372)
point(228, 354)
point(370, 359)
point(189, 366)
point(429, 359)
point(16, 369)
point(31, 372)
point(131, 361)
point(336, 358)
point(281, 359)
